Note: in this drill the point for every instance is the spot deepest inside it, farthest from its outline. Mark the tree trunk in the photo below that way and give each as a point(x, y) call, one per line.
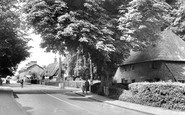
point(105, 81)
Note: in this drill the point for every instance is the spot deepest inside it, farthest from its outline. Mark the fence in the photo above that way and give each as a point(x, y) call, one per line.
point(76, 84)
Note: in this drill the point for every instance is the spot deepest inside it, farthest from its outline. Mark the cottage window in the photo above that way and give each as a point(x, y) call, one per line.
point(149, 80)
point(129, 67)
point(157, 79)
point(125, 68)
point(133, 80)
point(132, 67)
point(182, 81)
point(123, 80)
point(156, 65)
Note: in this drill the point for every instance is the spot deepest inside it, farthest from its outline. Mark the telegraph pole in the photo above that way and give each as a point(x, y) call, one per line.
point(60, 76)
point(77, 63)
point(91, 75)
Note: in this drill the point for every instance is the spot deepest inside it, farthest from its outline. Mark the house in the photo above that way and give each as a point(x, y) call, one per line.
point(30, 69)
point(51, 71)
point(163, 61)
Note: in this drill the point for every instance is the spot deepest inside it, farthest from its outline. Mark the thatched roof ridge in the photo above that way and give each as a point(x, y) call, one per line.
point(169, 47)
point(52, 69)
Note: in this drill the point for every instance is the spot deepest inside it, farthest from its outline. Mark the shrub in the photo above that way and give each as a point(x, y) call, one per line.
point(115, 92)
point(95, 87)
point(120, 85)
point(159, 94)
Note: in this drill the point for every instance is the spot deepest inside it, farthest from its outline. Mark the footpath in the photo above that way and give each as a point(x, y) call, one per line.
point(131, 106)
point(8, 105)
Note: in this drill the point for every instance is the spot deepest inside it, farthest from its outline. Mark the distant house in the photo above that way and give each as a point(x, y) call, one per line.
point(30, 69)
point(163, 61)
point(51, 71)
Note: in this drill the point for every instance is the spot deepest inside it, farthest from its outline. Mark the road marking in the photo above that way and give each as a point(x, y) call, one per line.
point(69, 103)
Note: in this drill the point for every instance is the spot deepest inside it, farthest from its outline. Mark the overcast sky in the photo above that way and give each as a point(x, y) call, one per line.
point(37, 53)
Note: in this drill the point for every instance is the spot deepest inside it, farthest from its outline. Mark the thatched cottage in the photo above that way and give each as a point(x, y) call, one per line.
point(51, 71)
point(163, 61)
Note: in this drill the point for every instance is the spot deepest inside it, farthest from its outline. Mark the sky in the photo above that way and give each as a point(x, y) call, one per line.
point(38, 54)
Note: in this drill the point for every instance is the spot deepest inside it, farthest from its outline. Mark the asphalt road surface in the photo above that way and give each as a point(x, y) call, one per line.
point(41, 100)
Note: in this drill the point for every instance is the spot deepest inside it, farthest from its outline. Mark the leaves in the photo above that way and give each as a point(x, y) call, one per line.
point(13, 45)
point(89, 25)
point(143, 20)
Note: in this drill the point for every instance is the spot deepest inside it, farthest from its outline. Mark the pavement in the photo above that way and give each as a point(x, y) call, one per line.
point(8, 105)
point(6, 93)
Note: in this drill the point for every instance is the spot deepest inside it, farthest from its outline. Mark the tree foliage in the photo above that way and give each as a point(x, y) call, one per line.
point(177, 16)
point(105, 29)
point(86, 25)
point(142, 20)
point(13, 48)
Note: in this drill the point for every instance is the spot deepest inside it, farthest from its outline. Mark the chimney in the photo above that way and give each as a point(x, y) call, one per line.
point(55, 59)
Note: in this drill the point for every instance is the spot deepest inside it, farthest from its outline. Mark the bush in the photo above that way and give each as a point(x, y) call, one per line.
point(120, 85)
point(115, 92)
point(159, 94)
point(95, 87)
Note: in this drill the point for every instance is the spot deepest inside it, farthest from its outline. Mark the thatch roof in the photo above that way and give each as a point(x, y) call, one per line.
point(52, 69)
point(169, 47)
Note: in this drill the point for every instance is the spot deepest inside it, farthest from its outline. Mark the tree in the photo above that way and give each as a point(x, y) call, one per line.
point(177, 16)
point(86, 25)
point(141, 21)
point(13, 47)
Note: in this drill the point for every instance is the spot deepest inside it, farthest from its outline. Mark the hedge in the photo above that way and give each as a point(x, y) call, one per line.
point(170, 95)
point(114, 91)
point(95, 87)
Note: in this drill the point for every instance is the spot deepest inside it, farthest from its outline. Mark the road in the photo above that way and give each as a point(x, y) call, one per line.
point(41, 100)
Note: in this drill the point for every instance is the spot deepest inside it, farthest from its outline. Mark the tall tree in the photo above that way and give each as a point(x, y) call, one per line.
point(141, 21)
point(13, 47)
point(177, 17)
point(86, 25)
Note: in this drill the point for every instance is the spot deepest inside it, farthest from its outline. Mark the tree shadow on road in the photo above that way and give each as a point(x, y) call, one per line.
point(71, 94)
point(40, 91)
point(82, 99)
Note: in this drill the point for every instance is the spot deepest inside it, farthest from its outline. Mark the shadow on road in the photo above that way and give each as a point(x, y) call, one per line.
point(36, 91)
point(82, 99)
point(71, 94)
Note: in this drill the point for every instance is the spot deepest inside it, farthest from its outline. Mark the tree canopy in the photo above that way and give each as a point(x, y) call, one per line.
point(142, 20)
point(86, 25)
point(105, 29)
point(13, 47)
